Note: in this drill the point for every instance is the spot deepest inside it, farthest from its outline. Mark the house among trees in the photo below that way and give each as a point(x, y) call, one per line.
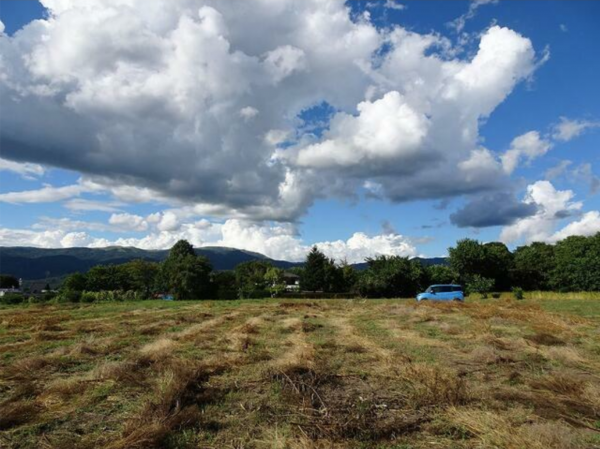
point(292, 282)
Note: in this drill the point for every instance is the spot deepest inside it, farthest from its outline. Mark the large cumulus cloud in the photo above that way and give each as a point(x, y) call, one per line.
point(199, 102)
point(552, 206)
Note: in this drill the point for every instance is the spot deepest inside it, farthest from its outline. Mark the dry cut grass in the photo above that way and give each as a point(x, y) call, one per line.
point(301, 374)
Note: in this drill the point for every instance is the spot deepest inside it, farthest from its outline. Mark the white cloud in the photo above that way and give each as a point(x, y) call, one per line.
point(393, 4)
point(529, 146)
point(552, 206)
point(284, 61)
point(388, 4)
point(589, 224)
point(558, 170)
point(128, 222)
point(360, 246)
point(248, 112)
point(25, 169)
point(47, 194)
point(568, 129)
point(168, 222)
point(84, 205)
point(21, 237)
point(585, 173)
point(160, 102)
point(459, 23)
point(278, 241)
point(387, 129)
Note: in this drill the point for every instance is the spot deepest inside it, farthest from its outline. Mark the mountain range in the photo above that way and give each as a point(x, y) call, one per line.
point(41, 263)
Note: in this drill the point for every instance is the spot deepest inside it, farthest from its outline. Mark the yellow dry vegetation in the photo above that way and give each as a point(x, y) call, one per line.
point(301, 374)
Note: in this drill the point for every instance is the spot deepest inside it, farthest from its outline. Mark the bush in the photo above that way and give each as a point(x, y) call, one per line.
point(88, 297)
point(481, 285)
point(35, 300)
point(67, 296)
point(518, 293)
point(12, 298)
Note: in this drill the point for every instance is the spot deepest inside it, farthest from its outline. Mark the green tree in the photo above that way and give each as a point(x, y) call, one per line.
point(107, 278)
point(142, 276)
point(441, 274)
point(499, 264)
point(184, 274)
point(181, 249)
point(75, 282)
point(250, 278)
point(8, 281)
point(275, 281)
point(391, 277)
point(224, 285)
point(479, 284)
point(321, 273)
point(492, 261)
point(533, 266)
point(334, 277)
point(577, 264)
point(349, 278)
point(313, 278)
point(467, 258)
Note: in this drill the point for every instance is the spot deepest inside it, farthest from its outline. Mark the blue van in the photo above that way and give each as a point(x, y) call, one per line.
point(442, 292)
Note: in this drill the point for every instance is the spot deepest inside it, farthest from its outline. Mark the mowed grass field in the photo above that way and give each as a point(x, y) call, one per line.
point(301, 374)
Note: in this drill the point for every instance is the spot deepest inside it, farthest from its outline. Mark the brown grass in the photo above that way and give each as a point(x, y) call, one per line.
point(16, 413)
point(299, 374)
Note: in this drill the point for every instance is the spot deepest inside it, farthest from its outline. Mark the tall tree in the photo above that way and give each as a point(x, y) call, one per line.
point(275, 281)
point(314, 275)
point(468, 258)
point(142, 275)
point(250, 278)
point(533, 266)
point(181, 249)
point(577, 264)
point(499, 264)
point(491, 261)
point(107, 277)
point(186, 275)
point(76, 282)
point(441, 274)
point(8, 281)
point(392, 277)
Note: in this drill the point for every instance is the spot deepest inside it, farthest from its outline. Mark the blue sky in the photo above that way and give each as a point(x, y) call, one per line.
point(109, 140)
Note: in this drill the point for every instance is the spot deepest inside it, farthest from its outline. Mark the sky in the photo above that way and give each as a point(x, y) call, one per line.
point(365, 127)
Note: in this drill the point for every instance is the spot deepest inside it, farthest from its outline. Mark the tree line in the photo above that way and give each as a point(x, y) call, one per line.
point(572, 264)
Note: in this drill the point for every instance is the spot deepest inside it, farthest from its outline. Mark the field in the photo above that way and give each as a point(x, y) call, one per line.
point(301, 374)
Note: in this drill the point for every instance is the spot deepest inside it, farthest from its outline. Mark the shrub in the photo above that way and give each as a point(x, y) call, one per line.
point(88, 297)
point(12, 298)
point(68, 296)
point(481, 285)
point(517, 292)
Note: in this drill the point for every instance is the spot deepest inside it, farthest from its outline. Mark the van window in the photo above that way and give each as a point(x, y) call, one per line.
point(457, 288)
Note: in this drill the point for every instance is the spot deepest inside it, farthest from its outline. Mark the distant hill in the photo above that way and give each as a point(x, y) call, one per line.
point(41, 263)
point(424, 261)
point(433, 261)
